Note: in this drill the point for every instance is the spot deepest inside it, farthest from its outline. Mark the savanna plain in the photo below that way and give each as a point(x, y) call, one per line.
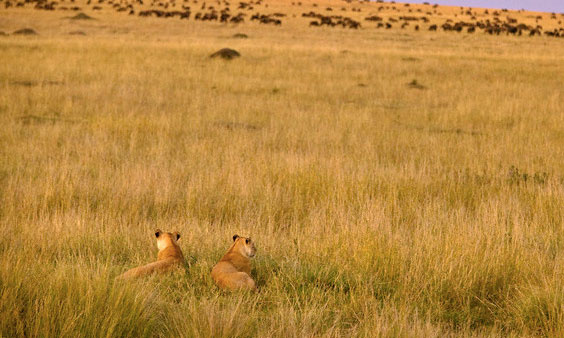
point(396, 182)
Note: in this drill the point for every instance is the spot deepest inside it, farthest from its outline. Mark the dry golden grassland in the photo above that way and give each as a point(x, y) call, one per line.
point(380, 206)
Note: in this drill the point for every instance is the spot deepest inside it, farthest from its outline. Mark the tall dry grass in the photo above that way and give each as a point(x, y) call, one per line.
point(378, 209)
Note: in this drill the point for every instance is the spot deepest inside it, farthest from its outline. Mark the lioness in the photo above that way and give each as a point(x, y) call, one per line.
point(233, 270)
point(169, 256)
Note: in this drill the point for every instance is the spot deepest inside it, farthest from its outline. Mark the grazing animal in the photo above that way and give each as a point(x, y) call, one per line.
point(233, 270)
point(226, 53)
point(169, 256)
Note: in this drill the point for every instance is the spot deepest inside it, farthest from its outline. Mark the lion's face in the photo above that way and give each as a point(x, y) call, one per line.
point(245, 245)
point(166, 239)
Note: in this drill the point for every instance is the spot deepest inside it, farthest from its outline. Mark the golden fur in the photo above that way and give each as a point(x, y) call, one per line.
point(233, 270)
point(169, 256)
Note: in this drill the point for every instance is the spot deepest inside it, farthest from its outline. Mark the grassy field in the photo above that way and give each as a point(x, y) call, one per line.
point(396, 183)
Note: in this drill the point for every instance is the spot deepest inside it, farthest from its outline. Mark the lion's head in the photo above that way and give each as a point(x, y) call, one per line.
point(166, 239)
point(244, 245)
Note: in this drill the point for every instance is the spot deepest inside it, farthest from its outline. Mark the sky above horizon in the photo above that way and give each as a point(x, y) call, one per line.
point(556, 6)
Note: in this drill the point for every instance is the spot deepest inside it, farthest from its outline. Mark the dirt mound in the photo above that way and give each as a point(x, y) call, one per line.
point(226, 54)
point(240, 36)
point(81, 16)
point(27, 83)
point(77, 33)
point(25, 31)
point(229, 125)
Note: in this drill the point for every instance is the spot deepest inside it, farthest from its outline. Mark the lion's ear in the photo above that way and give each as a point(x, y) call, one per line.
point(158, 232)
point(235, 237)
point(176, 234)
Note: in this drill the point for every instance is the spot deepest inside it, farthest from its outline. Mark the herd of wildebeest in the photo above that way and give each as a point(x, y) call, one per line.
point(493, 22)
